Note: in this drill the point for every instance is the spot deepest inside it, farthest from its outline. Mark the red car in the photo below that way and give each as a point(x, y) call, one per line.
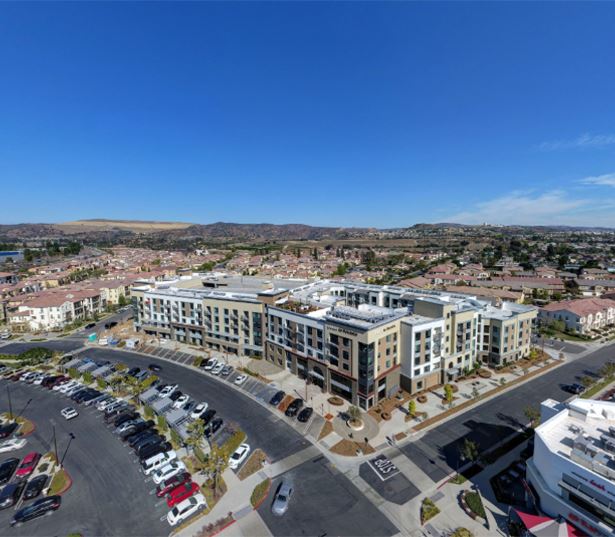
point(167, 486)
point(181, 493)
point(28, 464)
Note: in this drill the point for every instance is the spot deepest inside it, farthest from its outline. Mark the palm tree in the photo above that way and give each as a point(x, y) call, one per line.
point(196, 430)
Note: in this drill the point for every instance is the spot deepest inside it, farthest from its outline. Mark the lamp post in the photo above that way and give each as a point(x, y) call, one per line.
point(72, 437)
point(55, 441)
point(23, 409)
point(8, 392)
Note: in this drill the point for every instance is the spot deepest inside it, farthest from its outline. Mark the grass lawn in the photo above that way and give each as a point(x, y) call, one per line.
point(475, 504)
point(459, 479)
point(260, 492)
point(59, 482)
point(253, 464)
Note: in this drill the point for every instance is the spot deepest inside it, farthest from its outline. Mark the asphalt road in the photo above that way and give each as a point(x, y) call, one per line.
point(265, 430)
point(437, 452)
point(109, 495)
point(62, 345)
point(324, 502)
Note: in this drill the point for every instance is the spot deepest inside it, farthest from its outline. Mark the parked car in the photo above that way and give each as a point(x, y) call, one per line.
point(127, 425)
point(35, 486)
point(574, 388)
point(154, 367)
point(226, 371)
point(168, 471)
point(294, 407)
point(151, 438)
point(181, 493)
point(181, 401)
point(133, 371)
point(168, 485)
point(186, 509)
point(240, 379)
point(38, 508)
point(127, 415)
point(208, 415)
point(69, 413)
point(240, 455)
point(136, 428)
point(153, 449)
point(305, 415)
point(8, 429)
point(134, 440)
point(277, 398)
point(213, 427)
point(11, 494)
point(12, 444)
point(199, 410)
point(157, 461)
point(175, 395)
point(7, 468)
point(28, 464)
point(217, 369)
point(282, 498)
point(211, 364)
point(89, 326)
point(167, 391)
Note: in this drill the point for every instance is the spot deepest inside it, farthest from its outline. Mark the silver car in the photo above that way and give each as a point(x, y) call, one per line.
point(282, 497)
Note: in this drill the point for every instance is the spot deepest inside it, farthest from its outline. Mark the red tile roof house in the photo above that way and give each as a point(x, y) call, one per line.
point(582, 315)
point(54, 310)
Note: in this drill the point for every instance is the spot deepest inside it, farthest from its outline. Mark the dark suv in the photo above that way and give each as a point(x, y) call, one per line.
point(11, 493)
point(7, 469)
point(277, 398)
point(38, 508)
point(293, 408)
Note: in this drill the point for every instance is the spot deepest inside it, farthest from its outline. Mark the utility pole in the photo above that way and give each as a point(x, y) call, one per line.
point(72, 437)
point(8, 392)
point(55, 442)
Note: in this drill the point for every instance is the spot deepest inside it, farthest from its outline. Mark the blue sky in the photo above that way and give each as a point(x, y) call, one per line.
point(343, 114)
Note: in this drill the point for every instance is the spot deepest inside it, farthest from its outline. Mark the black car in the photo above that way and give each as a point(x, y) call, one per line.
point(8, 430)
point(145, 448)
point(136, 428)
point(90, 325)
point(89, 396)
point(110, 325)
point(575, 388)
point(154, 449)
point(213, 427)
point(38, 508)
point(277, 398)
point(110, 416)
point(132, 440)
point(49, 380)
point(175, 395)
point(293, 408)
point(154, 367)
point(124, 417)
point(208, 415)
point(11, 493)
point(35, 486)
point(305, 415)
point(134, 371)
point(7, 469)
point(151, 439)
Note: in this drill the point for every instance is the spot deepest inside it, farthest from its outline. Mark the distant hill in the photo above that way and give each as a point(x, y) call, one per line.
point(102, 224)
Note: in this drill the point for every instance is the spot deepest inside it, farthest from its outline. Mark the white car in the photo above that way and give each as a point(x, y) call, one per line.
point(181, 401)
point(69, 413)
point(186, 509)
point(211, 364)
point(61, 385)
point(199, 410)
point(27, 375)
point(39, 380)
point(103, 405)
point(12, 444)
point(168, 471)
point(168, 390)
point(68, 386)
point(218, 369)
point(240, 379)
point(240, 455)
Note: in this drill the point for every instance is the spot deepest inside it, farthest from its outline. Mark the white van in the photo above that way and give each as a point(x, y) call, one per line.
point(157, 461)
point(103, 341)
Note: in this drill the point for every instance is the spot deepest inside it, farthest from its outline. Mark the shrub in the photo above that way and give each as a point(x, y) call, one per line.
point(162, 423)
point(148, 412)
point(233, 442)
point(422, 398)
point(197, 361)
point(428, 510)
point(260, 492)
point(475, 504)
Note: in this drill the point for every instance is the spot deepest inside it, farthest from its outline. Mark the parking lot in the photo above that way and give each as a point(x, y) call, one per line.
point(109, 495)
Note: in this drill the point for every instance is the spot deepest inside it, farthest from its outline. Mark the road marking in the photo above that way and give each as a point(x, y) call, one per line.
point(384, 468)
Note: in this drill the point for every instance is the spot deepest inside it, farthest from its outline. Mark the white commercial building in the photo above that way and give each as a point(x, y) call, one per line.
point(573, 466)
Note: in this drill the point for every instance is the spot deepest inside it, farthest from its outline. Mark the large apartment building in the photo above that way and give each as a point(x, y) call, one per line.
point(572, 471)
point(362, 342)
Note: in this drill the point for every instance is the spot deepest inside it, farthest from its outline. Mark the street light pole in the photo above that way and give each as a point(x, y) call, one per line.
point(23, 409)
point(72, 437)
point(8, 392)
point(55, 442)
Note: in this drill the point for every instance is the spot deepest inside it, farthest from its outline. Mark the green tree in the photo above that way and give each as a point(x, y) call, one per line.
point(101, 383)
point(354, 413)
point(215, 463)
point(148, 412)
point(88, 378)
point(196, 433)
point(448, 393)
point(469, 450)
point(162, 423)
point(122, 301)
point(73, 373)
point(412, 407)
point(533, 415)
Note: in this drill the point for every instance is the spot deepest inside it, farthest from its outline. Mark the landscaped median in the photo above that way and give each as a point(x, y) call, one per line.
point(259, 493)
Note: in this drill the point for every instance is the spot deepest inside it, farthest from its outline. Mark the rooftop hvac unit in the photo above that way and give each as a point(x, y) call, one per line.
point(612, 431)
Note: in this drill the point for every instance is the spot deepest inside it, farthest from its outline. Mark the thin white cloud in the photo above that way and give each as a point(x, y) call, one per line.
point(548, 208)
point(585, 141)
point(608, 179)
